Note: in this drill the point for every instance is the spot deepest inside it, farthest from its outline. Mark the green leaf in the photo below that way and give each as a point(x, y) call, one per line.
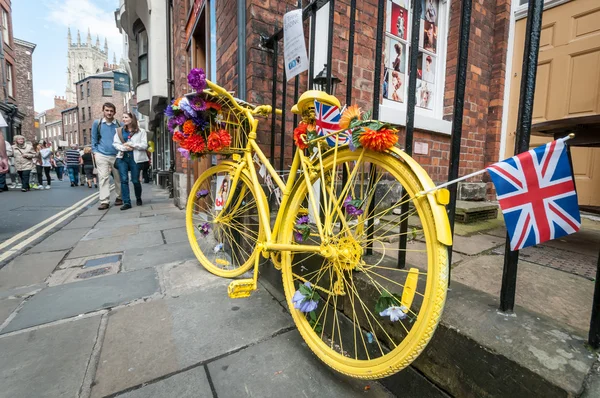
point(305, 290)
point(356, 203)
point(375, 125)
point(313, 316)
point(367, 115)
point(355, 137)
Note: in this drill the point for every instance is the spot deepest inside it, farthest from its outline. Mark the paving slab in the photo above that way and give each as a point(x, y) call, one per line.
point(163, 210)
point(283, 367)
point(137, 348)
point(475, 244)
point(417, 256)
point(561, 296)
point(93, 211)
point(208, 323)
point(189, 384)
point(188, 277)
point(175, 235)
point(158, 222)
point(121, 215)
point(69, 275)
point(48, 362)
point(83, 222)
point(164, 205)
point(64, 301)
point(99, 233)
point(29, 269)
point(61, 240)
point(116, 244)
point(7, 306)
point(134, 259)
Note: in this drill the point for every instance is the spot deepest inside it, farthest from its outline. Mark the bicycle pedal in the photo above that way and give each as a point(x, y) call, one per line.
point(241, 288)
point(410, 287)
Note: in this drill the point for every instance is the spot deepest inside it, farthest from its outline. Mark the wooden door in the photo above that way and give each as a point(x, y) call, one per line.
point(568, 82)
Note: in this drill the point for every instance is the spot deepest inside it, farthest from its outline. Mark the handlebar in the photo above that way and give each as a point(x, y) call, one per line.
point(265, 110)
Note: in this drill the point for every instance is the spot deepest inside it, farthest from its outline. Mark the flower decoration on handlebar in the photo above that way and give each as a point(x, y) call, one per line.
point(196, 123)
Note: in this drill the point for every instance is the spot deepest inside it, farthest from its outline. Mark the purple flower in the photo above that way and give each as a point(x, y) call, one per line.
point(202, 193)
point(351, 144)
point(204, 229)
point(351, 206)
point(395, 313)
point(197, 103)
point(200, 122)
point(179, 119)
point(184, 152)
point(197, 79)
point(303, 298)
point(185, 106)
point(298, 236)
point(302, 220)
point(169, 112)
point(171, 124)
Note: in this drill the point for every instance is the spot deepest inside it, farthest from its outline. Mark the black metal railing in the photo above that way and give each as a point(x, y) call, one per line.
point(531, 49)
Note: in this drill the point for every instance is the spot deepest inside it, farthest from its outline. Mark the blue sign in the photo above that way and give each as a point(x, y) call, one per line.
point(121, 81)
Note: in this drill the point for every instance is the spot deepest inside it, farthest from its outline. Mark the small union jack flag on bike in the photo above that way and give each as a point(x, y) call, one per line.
point(537, 195)
point(327, 119)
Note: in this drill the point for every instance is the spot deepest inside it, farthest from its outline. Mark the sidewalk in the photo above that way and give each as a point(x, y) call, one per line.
point(115, 304)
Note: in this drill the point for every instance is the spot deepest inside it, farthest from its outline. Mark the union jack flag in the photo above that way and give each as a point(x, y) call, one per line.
point(537, 195)
point(327, 121)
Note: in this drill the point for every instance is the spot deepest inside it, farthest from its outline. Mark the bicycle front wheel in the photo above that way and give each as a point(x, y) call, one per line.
point(222, 221)
point(360, 313)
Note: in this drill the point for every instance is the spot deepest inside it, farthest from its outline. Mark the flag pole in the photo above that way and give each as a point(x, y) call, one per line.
point(422, 193)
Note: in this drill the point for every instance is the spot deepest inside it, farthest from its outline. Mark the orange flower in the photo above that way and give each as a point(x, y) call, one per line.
point(225, 138)
point(213, 105)
point(300, 137)
point(214, 142)
point(189, 127)
point(194, 143)
point(176, 102)
point(178, 136)
point(350, 114)
point(378, 140)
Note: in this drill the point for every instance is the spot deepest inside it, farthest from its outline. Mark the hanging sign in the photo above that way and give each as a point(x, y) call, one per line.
point(294, 47)
point(121, 81)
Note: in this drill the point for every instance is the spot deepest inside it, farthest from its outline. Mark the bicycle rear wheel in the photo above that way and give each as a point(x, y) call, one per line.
point(223, 234)
point(358, 312)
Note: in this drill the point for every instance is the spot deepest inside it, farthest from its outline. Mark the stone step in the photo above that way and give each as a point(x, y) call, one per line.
point(469, 212)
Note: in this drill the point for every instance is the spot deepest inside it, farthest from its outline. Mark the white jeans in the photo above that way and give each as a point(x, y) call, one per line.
point(105, 166)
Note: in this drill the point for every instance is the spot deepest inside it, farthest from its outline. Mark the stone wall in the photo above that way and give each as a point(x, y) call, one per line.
point(24, 86)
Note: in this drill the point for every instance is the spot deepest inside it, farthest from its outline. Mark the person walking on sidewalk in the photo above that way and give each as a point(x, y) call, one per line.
point(88, 166)
point(103, 135)
point(44, 164)
point(23, 153)
point(131, 141)
point(73, 159)
point(4, 166)
point(60, 164)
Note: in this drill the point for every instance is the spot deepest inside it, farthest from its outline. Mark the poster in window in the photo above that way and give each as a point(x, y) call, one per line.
point(399, 21)
point(429, 10)
point(395, 55)
point(425, 93)
point(429, 37)
point(384, 85)
point(222, 191)
point(395, 86)
point(426, 67)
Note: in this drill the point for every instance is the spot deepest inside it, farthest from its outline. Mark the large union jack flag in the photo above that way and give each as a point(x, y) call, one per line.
point(327, 121)
point(537, 195)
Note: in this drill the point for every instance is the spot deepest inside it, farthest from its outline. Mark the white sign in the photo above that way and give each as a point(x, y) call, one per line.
point(294, 47)
point(421, 148)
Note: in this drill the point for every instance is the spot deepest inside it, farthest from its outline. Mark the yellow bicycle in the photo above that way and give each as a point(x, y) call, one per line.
point(357, 312)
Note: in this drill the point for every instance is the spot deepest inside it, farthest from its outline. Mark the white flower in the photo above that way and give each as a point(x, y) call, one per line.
point(219, 118)
point(395, 313)
point(218, 248)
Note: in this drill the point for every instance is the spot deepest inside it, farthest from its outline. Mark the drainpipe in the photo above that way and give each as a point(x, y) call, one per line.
point(170, 96)
point(241, 21)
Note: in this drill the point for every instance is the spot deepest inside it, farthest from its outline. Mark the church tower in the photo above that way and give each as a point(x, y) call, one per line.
point(83, 60)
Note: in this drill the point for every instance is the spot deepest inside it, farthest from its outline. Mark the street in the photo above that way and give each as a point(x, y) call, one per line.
point(22, 210)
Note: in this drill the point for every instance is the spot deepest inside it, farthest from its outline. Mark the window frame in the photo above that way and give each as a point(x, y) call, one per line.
point(5, 27)
point(88, 88)
point(81, 90)
point(83, 114)
point(10, 84)
point(110, 94)
point(142, 56)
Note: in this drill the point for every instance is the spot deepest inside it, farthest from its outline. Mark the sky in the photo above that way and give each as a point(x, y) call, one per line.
point(45, 23)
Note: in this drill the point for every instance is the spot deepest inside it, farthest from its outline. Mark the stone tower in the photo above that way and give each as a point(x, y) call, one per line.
point(83, 59)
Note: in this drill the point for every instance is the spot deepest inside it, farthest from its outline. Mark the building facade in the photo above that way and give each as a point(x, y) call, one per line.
point(53, 133)
point(24, 85)
point(92, 92)
point(49, 117)
point(83, 59)
point(70, 125)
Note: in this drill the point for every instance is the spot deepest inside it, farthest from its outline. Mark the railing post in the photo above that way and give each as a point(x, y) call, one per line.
point(528, 76)
point(274, 102)
point(594, 334)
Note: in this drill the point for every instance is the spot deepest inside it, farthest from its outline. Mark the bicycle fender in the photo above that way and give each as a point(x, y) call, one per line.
point(442, 225)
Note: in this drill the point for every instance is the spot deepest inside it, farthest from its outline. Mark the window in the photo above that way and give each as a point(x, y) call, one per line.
point(81, 90)
point(84, 138)
point(107, 89)
point(88, 88)
point(81, 75)
point(142, 41)
point(9, 80)
point(83, 114)
point(5, 31)
point(430, 62)
point(90, 112)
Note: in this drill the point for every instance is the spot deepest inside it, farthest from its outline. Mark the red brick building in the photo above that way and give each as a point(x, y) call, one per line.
point(24, 84)
point(70, 125)
point(92, 92)
point(49, 129)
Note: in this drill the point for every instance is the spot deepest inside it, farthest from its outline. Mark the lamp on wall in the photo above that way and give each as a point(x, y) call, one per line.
point(320, 81)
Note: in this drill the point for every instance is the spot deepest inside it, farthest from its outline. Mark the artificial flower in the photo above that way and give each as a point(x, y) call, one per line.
point(300, 135)
point(186, 107)
point(189, 127)
point(179, 136)
point(176, 102)
point(395, 312)
point(197, 79)
point(218, 247)
point(225, 137)
point(197, 103)
point(351, 114)
point(171, 125)
point(204, 229)
point(202, 193)
point(219, 118)
point(194, 143)
point(212, 105)
point(214, 142)
point(169, 112)
point(305, 299)
point(184, 153)
point(302, 231)
point(200, 123)
point(352, 206)
point(378, 140)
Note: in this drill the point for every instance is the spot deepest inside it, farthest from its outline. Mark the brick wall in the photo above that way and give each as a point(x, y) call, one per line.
point(92, 105)
point(24, 88)
point(70, 118)
point(9, 50)
point(227, 44)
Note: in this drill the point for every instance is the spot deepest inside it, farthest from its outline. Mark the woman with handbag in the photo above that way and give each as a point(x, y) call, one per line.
point(131, 141)
point(89, 167)
point(24, 154)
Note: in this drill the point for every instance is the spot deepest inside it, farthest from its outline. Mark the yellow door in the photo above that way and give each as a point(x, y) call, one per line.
point(568, 82)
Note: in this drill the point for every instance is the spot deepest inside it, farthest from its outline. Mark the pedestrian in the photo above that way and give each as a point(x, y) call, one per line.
point(131, 141)
point(24, 155)
point(60, 164)
point(83, 177)
point(103, 135)
point(89, 167)
point(145, 169)
point(4, 165)
point(44, 164)
point(36, 160)
point(73, 160)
